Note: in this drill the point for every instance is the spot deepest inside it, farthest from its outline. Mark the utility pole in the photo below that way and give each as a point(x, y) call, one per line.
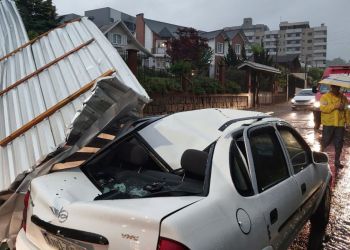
point(305, 82)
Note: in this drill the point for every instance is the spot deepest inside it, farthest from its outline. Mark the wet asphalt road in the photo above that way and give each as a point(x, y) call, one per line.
point(338, 231)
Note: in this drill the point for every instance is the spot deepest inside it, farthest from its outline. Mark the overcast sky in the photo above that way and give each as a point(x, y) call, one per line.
point(210, 15)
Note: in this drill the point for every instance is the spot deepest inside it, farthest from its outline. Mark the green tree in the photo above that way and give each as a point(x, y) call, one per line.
point(315, 74)
point(243, 54)
point(38, 16)
point(231, 58)
point(189, 46)
point(261, 55)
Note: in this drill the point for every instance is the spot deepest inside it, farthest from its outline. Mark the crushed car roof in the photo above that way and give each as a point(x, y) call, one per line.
point(55, 82)
point(197, 129)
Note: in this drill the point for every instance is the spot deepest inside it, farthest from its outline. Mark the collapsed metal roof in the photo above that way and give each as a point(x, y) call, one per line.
point(44, 84)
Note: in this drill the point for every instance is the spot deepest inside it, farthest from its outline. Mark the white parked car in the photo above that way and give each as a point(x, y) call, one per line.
point(204, 179)
point(304, 99)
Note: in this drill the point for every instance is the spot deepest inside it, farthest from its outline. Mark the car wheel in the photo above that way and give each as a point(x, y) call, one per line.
point(319, 221)
point(321, 215)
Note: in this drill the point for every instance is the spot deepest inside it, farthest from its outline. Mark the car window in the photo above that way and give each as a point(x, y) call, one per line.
point(325, 88)
point(298, 151)
point(238, 168)
point(269, 161)
point(306, 93)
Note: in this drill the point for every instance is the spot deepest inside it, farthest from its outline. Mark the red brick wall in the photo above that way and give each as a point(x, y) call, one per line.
point(237, 40)
point(140, 29)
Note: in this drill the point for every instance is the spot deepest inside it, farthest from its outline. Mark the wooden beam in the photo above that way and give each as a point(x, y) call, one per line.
point(106, 136)
point(66, 165)
point(37, 38)
point(52, 110)
point(19, 82)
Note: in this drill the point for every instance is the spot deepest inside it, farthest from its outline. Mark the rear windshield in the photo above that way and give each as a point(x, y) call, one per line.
point(129, 170)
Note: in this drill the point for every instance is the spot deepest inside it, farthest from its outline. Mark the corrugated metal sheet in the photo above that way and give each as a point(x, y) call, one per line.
point(44, 73)
point(12, 31)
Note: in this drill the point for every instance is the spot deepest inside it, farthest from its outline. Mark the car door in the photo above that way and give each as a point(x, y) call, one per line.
point(304, 170)
point(272, 179)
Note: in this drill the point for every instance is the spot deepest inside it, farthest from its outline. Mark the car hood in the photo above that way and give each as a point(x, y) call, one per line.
point(120, 221)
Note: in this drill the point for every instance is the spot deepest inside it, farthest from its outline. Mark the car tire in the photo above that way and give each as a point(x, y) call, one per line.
point(319, 221)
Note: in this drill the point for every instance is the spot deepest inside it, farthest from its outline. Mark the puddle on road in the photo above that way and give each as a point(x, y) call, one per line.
point(338, 231)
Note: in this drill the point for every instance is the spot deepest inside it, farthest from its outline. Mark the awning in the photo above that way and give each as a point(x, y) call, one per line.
point(259, 67)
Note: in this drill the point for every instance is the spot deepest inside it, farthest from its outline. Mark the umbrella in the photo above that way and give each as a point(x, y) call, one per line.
point(342, 80)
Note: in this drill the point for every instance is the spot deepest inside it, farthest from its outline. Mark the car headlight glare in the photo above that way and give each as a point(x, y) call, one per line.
point(293, 101)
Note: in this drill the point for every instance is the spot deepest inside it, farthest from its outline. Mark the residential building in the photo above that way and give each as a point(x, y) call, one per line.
point(218, 41)
point(254, 32)
point(104, 16)
point(298, 38)
point(125, 42)
point(154, 35)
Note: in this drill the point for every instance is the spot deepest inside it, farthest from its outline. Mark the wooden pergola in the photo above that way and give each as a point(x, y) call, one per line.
point(251, 67)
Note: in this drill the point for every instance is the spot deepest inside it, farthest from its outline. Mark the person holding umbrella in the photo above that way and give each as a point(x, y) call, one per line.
point(334, 118)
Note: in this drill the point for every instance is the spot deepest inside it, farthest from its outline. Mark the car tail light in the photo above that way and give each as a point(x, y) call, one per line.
point(25, 209)
point(167, 244)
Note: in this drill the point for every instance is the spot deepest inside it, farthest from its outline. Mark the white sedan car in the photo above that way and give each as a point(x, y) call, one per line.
point(204, 179)
point(304, 99)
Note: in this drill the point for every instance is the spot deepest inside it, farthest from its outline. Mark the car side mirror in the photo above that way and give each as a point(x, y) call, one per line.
point(314, 89)
point(320, 157)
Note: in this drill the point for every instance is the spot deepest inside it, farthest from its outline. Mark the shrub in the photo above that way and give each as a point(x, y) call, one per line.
point(237, 76)
point(206, 85)
point(233, 87)
point(161, 85)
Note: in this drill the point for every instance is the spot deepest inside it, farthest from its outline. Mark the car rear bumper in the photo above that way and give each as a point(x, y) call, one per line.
point(23, 243)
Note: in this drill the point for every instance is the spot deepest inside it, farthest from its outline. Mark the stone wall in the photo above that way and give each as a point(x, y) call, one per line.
point(165, 104)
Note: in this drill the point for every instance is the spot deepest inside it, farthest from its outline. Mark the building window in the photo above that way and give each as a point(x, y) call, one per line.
point(238, 49)
point(220, 48)
point(119, 39)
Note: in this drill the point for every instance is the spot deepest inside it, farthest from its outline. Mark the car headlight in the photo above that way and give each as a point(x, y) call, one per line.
point(316, 104)
point(293, 101)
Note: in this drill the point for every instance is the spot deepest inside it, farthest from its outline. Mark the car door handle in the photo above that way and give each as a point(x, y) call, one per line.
point(303, 188)
point(273, 216)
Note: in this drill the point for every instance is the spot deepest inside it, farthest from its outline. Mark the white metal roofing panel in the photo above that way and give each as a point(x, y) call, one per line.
point(46, 88)
point(12, 31)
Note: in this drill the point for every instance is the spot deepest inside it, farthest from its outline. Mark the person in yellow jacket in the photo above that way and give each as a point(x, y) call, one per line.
point(334, 117)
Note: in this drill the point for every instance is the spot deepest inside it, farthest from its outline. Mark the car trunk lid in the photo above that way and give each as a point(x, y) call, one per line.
point(59, 203)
